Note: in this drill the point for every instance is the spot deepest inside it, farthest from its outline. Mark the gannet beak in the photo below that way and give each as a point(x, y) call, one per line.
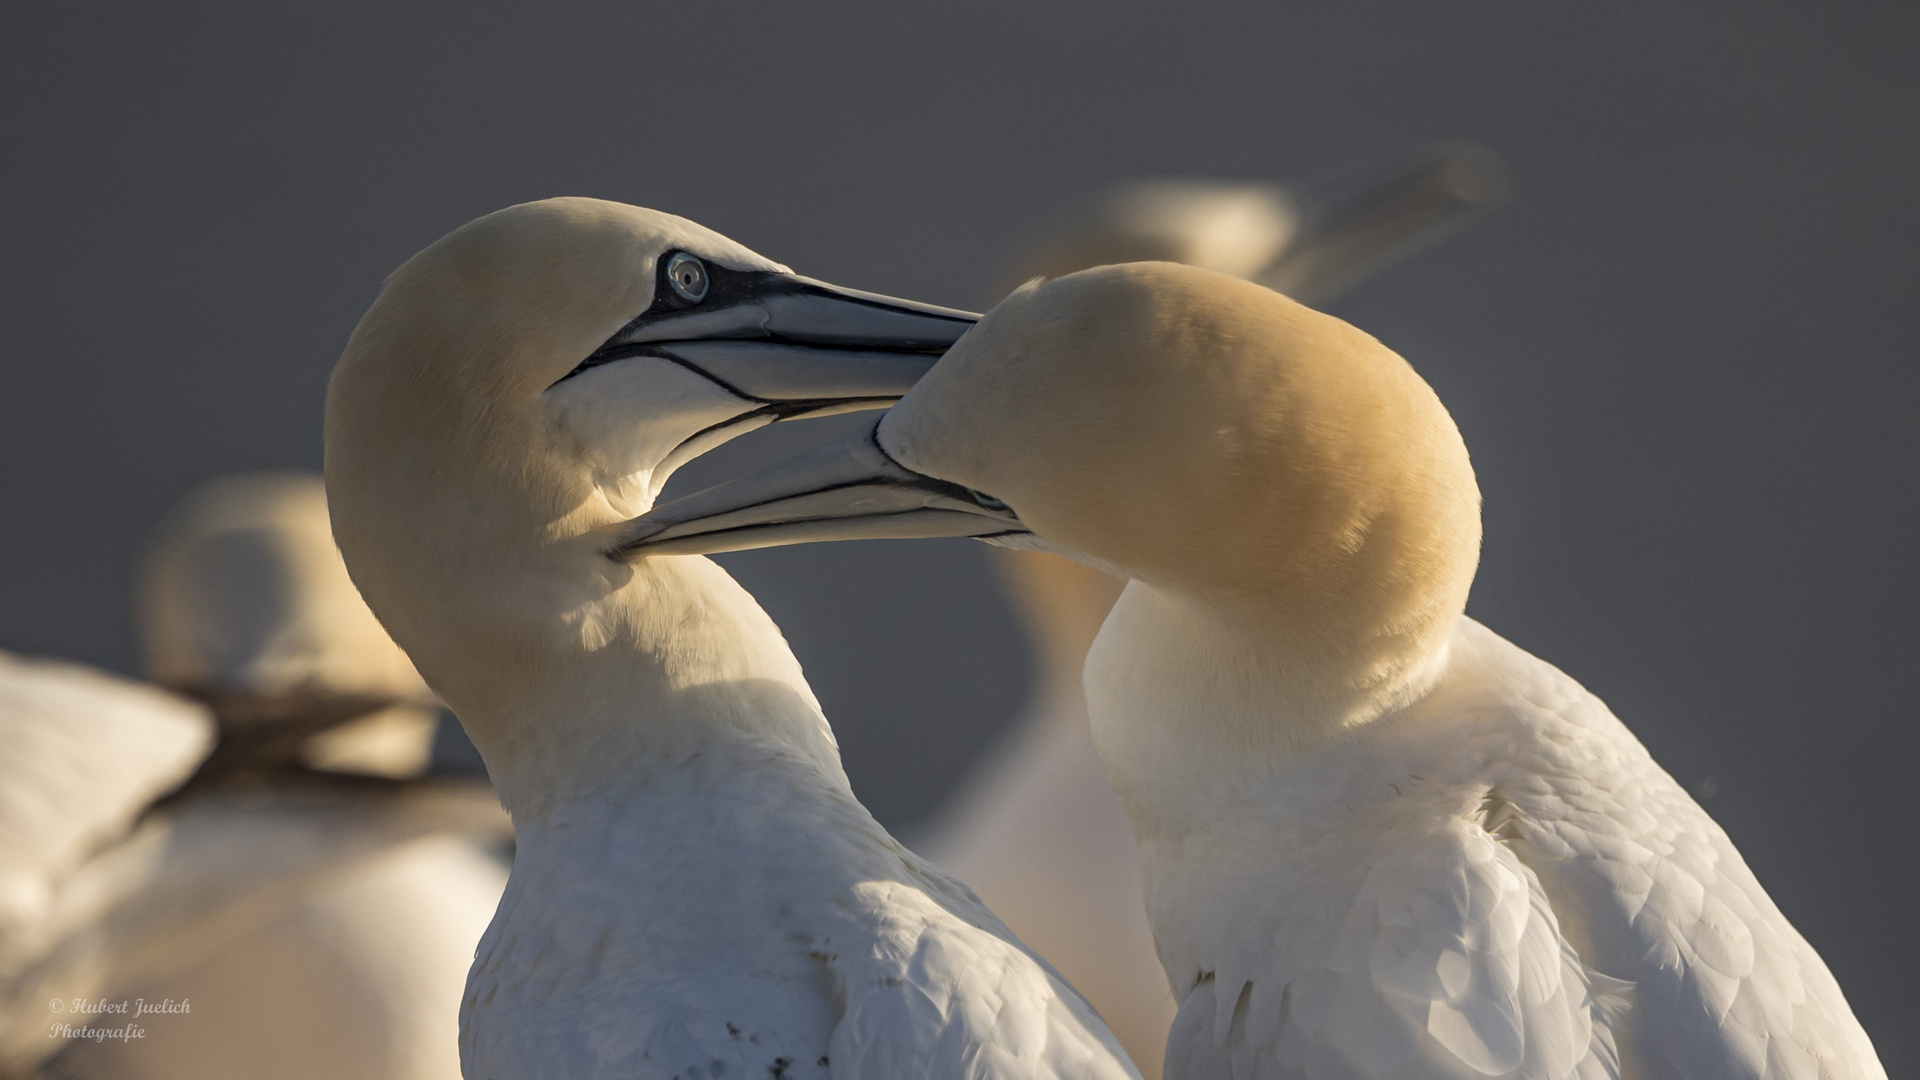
point(793, 345)
point(849, 489)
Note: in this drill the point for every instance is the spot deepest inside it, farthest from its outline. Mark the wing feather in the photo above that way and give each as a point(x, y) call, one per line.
point(930, 989)
point(85, 753)
point(1536, 899)
point(1724, 985)
point(1446, 960)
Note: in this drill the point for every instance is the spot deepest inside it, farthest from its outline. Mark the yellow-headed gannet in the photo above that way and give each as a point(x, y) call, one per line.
point(1378, 839)
point(695, 890)
point(1034, 827)
point(245, 605)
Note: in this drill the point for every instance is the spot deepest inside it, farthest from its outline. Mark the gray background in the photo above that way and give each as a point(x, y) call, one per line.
point(1683, 355)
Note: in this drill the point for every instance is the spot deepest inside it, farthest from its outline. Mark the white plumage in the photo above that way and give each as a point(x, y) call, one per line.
point(1499, 881)
point(1378, 841)
point(85, 754)
point(696, 892)
point(107, 898)
point(355, 972)
point(1034, 827)
point(313, 925)
point(742, 913)
point(1038, 834)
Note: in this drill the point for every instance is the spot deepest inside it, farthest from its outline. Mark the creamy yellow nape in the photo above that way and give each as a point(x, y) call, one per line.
point(467, 500)
point(1252, 463)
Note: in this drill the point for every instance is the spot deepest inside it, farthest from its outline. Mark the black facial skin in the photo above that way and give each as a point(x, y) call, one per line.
point(730, 288)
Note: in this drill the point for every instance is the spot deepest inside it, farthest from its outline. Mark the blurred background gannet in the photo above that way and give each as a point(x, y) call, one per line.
point(1378, 839)
point(245, 605)
point(1034, 829)
point(86, 754)
point(695, 891)
point(1312, 239)
point(316, 923)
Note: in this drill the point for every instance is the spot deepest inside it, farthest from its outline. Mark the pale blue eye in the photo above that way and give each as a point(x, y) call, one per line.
point(687, 277)
point(987, 501)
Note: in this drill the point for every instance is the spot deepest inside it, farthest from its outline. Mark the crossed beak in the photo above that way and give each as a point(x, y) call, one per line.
point(849, 489)
point(866, 351)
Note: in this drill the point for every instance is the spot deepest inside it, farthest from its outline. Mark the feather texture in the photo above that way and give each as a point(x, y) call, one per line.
point(1497, 881)
point(742, 915)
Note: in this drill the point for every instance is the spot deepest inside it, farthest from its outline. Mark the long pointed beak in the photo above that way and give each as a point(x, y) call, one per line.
point(796, 346)
point(1358, 222)
point(849, 489)
point(786, 346)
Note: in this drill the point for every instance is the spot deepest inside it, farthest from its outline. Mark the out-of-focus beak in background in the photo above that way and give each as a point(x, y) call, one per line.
point(269, 843)
point(1034, 829)
point(1312, 240)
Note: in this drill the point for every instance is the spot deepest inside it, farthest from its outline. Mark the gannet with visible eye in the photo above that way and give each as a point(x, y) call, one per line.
point(1033, 827)
point(1378, 839)
point(695, 891)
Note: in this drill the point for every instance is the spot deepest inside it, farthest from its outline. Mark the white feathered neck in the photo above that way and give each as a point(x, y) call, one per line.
point(472, 512)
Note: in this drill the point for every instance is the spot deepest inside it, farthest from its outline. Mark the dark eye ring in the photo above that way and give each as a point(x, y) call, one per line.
point(687, 277)
point(987, 501)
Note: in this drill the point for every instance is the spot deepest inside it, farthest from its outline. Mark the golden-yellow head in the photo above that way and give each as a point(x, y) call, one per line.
point(1182, 427)
point(1201, 432)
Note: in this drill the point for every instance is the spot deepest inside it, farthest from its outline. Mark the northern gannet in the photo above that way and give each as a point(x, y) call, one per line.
point(86, 754)
point(1034, 828)
point(245, 605)
point(103, 893)
point(695, 891)
point(1311, 239)
point(1379, 840)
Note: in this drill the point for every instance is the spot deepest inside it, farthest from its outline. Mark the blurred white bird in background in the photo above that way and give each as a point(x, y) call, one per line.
point(1034, 828)
point(317, 923)
point(1378, 839)
point(86, 753)
point(696, 892)
point(244, 604)
point(1312, 240)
